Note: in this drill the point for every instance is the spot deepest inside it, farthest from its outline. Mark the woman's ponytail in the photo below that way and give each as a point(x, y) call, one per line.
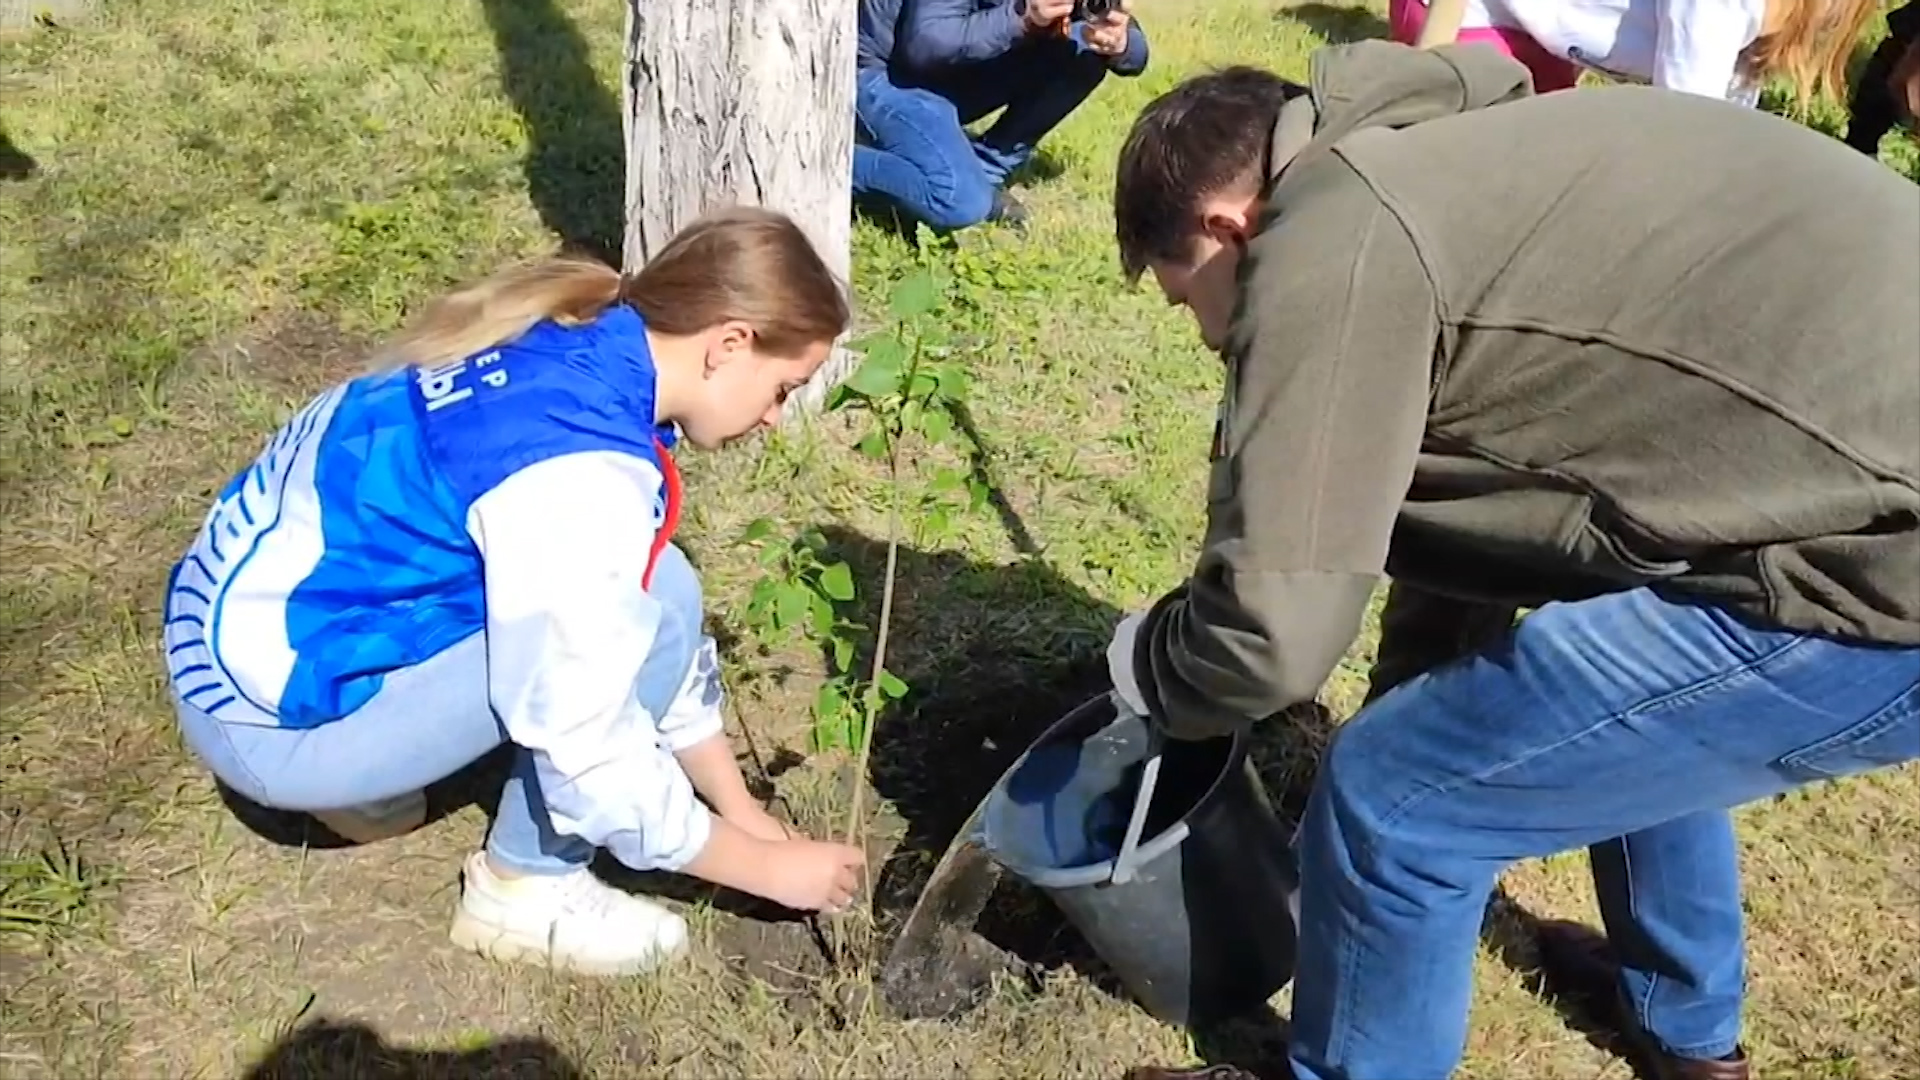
point(500, 308)
point(738, 262)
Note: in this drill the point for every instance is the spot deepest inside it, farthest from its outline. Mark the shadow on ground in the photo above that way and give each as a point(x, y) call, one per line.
point(1042, 168)
point(15, 163)
point(479, 784)
point(577, 144)
point(883, 214)
point(997, 653)
point(326, 1050)
point(1337, 23)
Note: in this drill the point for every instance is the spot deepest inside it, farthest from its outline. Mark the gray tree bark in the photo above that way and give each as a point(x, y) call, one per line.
point(742, 101)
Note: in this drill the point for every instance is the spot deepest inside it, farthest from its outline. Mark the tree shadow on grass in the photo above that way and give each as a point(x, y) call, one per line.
point(15, 163)
point(329, 1049)
point(577, 144)
point(1339, 24)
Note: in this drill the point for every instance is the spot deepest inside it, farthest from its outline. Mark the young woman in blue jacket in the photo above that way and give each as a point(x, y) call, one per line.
point(473, 547)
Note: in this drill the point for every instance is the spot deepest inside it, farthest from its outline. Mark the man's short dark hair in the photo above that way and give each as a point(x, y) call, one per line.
point(1207, 135)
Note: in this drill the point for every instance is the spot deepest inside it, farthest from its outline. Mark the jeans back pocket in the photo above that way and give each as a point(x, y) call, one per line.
point(1889, 736)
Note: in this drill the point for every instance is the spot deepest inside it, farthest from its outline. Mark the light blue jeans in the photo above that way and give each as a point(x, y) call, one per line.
point(912, 148)
point(1628, 725)
point(428, 722)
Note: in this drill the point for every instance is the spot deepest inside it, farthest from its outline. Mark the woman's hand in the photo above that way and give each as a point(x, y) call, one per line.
point(810, 875)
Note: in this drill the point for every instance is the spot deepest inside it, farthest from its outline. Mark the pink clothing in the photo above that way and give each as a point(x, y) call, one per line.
point(1406, 17)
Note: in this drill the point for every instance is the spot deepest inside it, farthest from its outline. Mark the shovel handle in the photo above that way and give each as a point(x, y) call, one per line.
point(1123, 863)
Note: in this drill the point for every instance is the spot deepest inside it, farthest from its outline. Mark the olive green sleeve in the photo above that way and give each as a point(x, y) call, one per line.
point(1329, 362)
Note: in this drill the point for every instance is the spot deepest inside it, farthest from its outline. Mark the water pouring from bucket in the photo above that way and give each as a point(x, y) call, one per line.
point(1165, 855)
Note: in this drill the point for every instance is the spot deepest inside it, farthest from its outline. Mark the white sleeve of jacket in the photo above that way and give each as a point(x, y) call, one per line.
point(565, 544)
point(1699, 45)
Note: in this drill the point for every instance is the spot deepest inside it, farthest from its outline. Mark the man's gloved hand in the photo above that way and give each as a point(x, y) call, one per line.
point(1126, 685)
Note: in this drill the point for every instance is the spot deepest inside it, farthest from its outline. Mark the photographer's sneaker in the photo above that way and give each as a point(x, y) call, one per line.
point(373, 821)
point(572, 921)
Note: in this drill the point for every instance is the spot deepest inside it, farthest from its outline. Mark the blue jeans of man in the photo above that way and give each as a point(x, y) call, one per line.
point(912, 149)
point(1629, 725)
point(429, 721)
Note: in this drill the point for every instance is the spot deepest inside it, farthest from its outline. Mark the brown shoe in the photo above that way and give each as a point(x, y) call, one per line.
point(1580, 964)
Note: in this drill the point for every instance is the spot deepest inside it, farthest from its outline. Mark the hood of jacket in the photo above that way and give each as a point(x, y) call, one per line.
point(1384, 84)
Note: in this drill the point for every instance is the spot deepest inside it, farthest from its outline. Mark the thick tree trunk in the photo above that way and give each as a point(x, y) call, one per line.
point(747, 101)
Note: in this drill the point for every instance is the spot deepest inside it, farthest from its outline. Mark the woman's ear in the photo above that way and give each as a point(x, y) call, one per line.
point(729, 341)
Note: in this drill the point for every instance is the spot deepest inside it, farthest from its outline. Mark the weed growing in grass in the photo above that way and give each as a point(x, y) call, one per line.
point(44, 892)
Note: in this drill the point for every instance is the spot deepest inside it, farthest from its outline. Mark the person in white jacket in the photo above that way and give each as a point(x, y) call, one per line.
point(473, 547)
point(1717, 48)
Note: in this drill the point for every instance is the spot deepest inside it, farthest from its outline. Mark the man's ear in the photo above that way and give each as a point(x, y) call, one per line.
point(1229, 226)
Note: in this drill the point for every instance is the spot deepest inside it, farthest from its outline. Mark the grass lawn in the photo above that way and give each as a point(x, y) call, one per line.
point(234, 199)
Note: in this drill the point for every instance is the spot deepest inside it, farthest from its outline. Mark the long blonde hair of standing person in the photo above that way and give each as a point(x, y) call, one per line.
point(1808, 43)
point(744, 263)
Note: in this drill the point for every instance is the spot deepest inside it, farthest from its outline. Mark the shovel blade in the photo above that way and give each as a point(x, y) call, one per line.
point(925, 975)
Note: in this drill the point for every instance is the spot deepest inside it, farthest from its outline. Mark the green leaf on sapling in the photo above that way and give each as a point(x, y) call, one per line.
point(836, 580)
point(913, 296)
point(879, 373)
point(891, 686)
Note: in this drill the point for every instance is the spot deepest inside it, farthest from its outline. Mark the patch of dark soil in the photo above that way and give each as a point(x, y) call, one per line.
point(331, 1048)
point(299, 353)
point(937, 762)
point(785, 956)
point(994, 654)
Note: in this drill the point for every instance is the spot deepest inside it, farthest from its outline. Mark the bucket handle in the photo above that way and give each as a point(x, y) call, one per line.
point(1123, 863)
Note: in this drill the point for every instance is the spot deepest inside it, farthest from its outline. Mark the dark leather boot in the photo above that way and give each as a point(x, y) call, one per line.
point(1580, 964)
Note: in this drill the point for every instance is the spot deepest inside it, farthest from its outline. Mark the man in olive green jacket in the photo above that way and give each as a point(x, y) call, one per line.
point(1646, 362)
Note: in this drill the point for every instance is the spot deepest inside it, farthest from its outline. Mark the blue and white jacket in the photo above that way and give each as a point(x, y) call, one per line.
point(523, 493)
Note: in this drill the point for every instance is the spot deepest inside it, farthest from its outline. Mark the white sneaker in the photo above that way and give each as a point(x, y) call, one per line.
point(373, 821)
point(572, 921)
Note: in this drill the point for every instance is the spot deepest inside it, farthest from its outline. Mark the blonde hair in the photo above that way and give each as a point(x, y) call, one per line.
point(1808, 44)
point(744, 263)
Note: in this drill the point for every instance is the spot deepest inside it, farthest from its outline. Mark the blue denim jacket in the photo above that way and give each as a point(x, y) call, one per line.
point(923, 36)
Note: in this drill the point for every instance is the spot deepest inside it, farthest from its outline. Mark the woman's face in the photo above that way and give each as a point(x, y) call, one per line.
point(745, 387)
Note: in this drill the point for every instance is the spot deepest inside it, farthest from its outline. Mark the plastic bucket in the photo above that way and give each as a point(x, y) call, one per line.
point(1166, 856)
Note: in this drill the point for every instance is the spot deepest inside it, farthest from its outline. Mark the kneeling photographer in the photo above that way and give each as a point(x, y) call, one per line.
point(930, 67)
